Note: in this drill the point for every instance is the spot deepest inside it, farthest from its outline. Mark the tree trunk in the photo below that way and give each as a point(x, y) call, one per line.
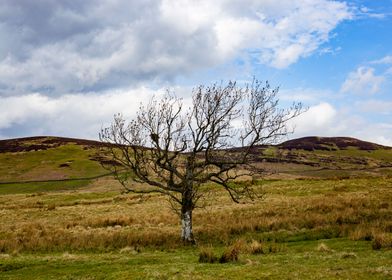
point(186, 226)
point(187, 204)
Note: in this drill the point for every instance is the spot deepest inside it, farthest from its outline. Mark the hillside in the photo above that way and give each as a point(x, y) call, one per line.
point(324, 157)
point(38, 143)
point(55, 163)
point(313, 143)
point(72, 163)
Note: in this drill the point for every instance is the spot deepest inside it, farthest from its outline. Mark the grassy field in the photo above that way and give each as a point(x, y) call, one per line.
point(326, 215)
point(343, 259)
point(306, 229)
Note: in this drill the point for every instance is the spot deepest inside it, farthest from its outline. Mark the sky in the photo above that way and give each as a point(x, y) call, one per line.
point(66, 66)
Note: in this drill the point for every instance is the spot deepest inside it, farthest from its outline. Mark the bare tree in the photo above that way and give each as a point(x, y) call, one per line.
point(174, 151)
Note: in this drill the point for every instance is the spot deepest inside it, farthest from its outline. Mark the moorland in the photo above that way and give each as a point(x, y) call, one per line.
point(326, 214)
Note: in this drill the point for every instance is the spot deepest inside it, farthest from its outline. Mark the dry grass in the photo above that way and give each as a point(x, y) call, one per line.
point(382, 240)
point(207, 255)
point(232, 253)
point(349, 255)
point(255, 248)
point(131, 250)
point(293, 210)
point(322, 247)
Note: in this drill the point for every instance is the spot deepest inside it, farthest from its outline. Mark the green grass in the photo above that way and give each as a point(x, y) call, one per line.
point(14, 188)
point(380, 154)
point(45, 164)
point(352, 152)
point(344, 259)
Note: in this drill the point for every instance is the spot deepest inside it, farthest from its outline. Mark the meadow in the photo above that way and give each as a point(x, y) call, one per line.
point(307, 229)
point(327, 226)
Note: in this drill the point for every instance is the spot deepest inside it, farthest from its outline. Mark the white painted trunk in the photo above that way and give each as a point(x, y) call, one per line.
point(186, 223)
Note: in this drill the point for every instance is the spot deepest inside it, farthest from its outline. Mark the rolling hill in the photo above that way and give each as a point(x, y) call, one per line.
point(67, 163)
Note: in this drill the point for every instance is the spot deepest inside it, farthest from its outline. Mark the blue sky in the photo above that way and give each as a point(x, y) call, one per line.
point(66, 68)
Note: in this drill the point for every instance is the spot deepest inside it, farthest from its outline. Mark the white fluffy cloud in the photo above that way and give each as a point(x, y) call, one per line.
point(316, 120)
point(363, 81)
point(57, 47)
point(69, 115)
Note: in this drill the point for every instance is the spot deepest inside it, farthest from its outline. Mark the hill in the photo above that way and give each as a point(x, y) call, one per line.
point(324, 157)
point(56, 163)
point(330, 144)
point(72, 163)
point(37, 143)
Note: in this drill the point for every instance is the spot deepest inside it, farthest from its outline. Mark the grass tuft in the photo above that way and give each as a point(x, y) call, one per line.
point(349, 255)
point(206, 255)
point(255, 248)
point(322, 247)
point(232, 253)
point(381, 241)
point(134, 250)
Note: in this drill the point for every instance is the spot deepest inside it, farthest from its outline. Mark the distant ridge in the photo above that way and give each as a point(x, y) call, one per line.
point(62, 160)
point(312, 143)
point(36, 143)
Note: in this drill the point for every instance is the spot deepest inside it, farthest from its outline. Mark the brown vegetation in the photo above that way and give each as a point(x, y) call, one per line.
point(359, 209)
point(329, 143)
point(37, 143)
point(206, 255)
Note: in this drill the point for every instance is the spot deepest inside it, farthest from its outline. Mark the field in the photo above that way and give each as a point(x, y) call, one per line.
point(312, 224)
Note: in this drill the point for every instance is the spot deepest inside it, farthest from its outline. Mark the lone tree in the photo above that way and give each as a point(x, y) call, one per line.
point(175, 150)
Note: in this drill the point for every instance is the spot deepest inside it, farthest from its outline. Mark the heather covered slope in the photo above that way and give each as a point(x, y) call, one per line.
point(313, 143)
point(38, 143)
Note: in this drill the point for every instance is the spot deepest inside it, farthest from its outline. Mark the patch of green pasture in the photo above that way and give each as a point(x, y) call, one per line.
point(324, 173)
point(379, 154)
point(270, 151)
point(295, 187)
point(15, 188)
point(305, 187)
point(18, 166)
point(57, 199)
point(337, 259)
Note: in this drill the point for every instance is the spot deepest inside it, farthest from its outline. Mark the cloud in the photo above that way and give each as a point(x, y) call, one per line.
point(326, 120)
point(83, 115)
point(375, 106)
point(362, 81)
point(385, 60)
point(308, 95)
point(316, 120)
point(69, 115)
point(56, 47)
point(365, 12)
point(379, 133)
